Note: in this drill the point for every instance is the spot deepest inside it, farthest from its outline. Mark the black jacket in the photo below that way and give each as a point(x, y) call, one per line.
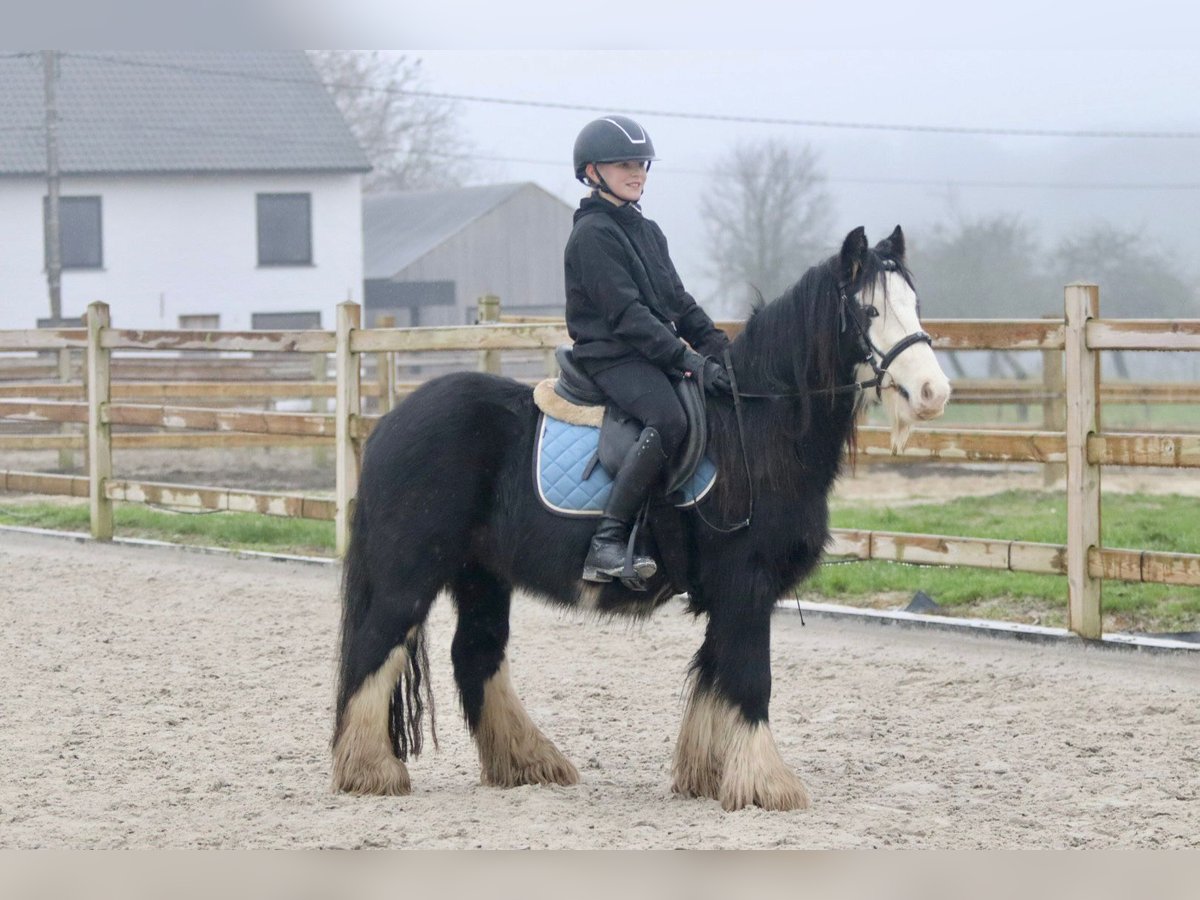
point(623, 306)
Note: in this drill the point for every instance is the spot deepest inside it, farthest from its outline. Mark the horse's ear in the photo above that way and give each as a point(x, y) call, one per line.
point(892, 245)
point(853, 255)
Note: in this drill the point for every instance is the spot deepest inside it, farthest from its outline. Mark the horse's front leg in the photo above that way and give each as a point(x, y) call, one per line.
point(725, 749)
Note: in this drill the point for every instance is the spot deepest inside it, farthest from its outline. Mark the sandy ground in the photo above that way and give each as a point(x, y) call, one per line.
point(160, 698)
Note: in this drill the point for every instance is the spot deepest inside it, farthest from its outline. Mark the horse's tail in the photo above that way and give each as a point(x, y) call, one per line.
point(412, 691)
point(412, 694)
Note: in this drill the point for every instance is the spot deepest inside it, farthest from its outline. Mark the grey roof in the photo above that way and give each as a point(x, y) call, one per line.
point(400, 228)
point(166, 111)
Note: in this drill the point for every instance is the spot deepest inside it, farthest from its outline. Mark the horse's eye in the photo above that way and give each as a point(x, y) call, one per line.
point(872, 312)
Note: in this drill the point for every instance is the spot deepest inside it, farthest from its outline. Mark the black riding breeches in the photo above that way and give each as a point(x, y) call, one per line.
point(645, 392)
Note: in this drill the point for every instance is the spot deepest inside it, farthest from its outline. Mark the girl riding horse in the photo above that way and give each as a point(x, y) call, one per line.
point(629, 314)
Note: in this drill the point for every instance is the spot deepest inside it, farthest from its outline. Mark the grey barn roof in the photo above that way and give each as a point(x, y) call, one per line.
point(164, 112)
point(400, 228)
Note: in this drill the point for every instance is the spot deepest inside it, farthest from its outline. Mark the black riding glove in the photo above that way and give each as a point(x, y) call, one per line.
point(713, 374)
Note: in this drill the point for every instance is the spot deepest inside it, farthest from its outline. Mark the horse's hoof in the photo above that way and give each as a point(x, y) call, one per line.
point(777, 792)
point(383, 777)
point(550, 771)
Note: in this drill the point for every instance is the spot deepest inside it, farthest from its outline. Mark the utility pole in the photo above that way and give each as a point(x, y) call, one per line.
point(53, 240)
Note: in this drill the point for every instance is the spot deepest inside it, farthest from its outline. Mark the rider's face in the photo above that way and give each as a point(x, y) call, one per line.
point(625, 179)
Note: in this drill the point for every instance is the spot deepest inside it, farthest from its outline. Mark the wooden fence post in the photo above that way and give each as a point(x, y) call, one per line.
point(488, 307)
point(66, 456)
point(385, 367)
point(99, 437)
point(320, 373)
point(1082, 302)
point(349, 318)
point(1054, 413)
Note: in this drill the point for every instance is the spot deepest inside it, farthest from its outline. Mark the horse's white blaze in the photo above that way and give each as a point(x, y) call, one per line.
point(512, 751)
point(363, 761)
point(721, 755)
point(922, 386)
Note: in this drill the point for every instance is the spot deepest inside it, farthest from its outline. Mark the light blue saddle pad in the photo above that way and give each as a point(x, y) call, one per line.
point(563, 452)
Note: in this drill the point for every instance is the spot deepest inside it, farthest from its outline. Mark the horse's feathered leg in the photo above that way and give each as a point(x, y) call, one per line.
point(725, 749)
point(382, 665)
point(512, 751)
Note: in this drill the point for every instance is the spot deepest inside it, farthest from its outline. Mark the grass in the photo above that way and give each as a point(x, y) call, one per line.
point(238, 531)
point(1142, 521)
point(1168, 417)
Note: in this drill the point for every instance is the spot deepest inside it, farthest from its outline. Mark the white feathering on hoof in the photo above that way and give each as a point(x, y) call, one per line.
point(756, 775)
point(697, 766)
point(512, 751)
point(722, 756)
point(363, 761)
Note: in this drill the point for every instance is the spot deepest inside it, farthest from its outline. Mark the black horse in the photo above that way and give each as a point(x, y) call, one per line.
point(446, 501)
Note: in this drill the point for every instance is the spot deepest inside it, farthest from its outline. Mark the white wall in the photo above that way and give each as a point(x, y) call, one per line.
point(183, 245)
point(515, 251)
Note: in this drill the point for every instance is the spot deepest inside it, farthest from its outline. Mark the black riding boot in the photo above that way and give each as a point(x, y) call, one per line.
point(606, 556)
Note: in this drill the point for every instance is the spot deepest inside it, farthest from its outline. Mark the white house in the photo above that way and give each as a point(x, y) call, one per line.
point(215, 189)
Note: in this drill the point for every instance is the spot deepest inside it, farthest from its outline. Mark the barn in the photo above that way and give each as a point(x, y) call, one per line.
point(429, 255)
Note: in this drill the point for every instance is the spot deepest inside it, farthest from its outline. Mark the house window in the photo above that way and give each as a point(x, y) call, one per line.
point(79, 234)
point(286, 321)
point(284, 229)
point(204, 322)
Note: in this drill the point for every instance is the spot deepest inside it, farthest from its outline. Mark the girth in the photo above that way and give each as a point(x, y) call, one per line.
point(619, 431)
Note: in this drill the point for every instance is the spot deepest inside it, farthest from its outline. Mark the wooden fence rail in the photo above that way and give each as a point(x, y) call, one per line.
point(1071, 344)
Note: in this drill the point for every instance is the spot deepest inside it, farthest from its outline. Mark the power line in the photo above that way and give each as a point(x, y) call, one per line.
point(558, 164)
point(672, 114)
point(899, 182)
point(275, 139)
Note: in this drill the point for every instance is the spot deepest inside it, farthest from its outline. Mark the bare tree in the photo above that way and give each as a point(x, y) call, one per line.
point(766, 216)
point(986, 267)
point(413, 140)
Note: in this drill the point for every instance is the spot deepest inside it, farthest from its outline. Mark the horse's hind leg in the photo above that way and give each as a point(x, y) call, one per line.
point(725, 749)
point(512, 751)
point(382, 666)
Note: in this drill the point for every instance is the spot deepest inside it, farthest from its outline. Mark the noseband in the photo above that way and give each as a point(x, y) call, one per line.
point(870, 351)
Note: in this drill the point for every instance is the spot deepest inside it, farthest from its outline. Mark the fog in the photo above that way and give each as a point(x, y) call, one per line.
point(887, 171)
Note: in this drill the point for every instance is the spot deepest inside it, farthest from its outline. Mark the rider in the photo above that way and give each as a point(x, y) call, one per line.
point(628, 314)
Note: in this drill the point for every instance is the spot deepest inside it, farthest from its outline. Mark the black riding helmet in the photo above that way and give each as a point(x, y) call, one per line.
point(611, 139)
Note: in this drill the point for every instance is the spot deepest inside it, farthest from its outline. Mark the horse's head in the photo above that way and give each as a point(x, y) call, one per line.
point(883, 314)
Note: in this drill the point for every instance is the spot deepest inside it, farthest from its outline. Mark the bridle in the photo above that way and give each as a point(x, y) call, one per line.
point(872, 356)
point(870, 351)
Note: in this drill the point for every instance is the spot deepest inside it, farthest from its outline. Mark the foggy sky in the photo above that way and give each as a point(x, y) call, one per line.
point(1021, 64)
point(1077, 89)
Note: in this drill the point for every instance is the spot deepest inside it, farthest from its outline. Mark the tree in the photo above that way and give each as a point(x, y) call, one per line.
point(766, 216)
point(412, 140)
point(988, 267)
point(1135, 280)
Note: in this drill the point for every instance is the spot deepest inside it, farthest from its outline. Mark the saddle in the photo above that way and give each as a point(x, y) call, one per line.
point(618, 430)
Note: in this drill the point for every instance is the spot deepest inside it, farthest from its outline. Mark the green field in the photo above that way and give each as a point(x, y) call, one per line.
point(1137, 521)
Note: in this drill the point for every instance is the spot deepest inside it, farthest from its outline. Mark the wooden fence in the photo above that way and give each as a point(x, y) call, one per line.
point(1079, 443)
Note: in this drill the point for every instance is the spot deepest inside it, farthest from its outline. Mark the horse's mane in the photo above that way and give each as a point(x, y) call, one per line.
point(793, 344)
